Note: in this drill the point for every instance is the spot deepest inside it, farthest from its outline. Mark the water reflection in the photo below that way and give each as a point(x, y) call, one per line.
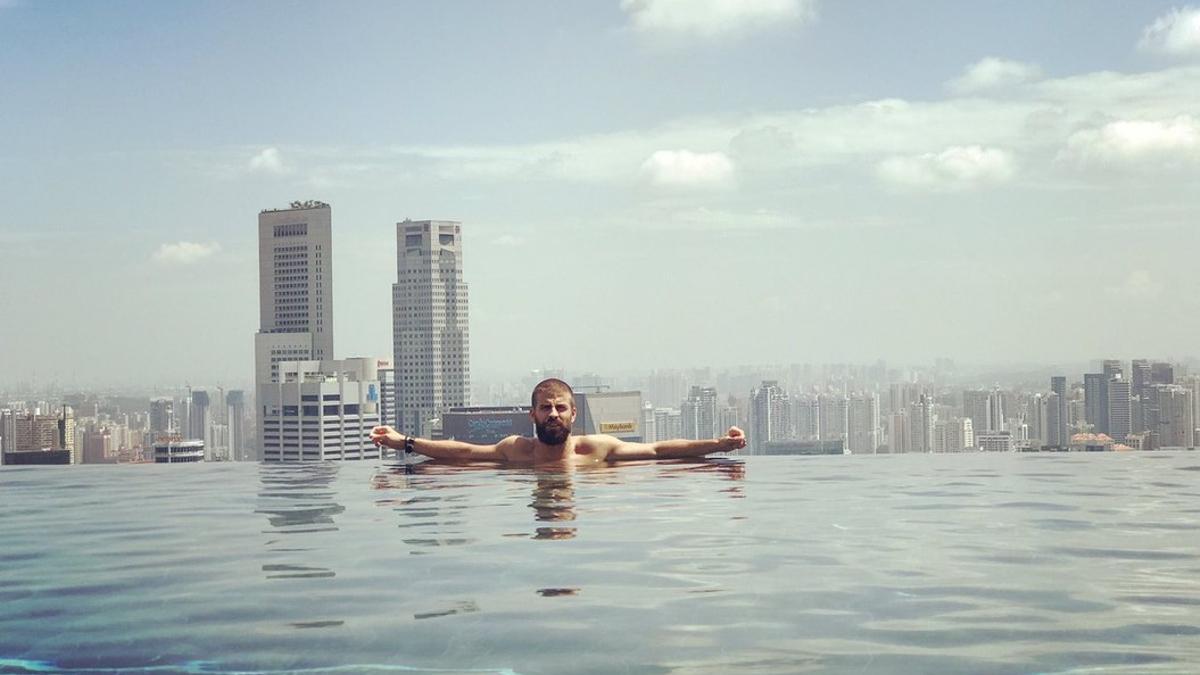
point(298, 497)
point(554, 501)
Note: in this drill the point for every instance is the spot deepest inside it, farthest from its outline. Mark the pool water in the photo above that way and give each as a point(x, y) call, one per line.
point(989, 563)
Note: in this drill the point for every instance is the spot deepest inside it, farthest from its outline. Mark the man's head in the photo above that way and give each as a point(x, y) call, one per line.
point(552, 409)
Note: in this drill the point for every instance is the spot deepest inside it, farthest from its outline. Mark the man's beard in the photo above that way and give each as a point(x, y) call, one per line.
point(552, 433)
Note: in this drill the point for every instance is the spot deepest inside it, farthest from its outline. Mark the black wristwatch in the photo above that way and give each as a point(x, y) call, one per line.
point(408, 444)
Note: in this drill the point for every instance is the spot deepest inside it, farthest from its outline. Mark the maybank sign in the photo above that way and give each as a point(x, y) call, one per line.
point(617, 427)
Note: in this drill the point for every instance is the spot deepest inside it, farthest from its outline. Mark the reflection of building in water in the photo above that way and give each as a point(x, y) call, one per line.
point(486, 425)
point(297, 497)
point(616, 413)
point(320, 410)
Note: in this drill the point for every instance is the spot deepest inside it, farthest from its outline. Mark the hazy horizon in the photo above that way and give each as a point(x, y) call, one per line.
point(642, 183)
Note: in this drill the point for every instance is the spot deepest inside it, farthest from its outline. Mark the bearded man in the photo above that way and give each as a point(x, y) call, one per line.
point(552, 409)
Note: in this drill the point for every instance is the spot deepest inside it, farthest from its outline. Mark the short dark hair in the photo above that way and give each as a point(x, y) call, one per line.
point(551, 385)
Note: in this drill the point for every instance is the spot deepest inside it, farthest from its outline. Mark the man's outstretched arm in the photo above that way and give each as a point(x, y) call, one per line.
point(734, 439)
point(452, 450)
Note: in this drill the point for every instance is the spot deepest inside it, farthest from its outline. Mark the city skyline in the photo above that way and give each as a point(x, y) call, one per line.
point(771, 182)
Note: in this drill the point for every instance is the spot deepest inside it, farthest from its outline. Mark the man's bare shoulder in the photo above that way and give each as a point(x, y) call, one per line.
point(516, 448)
point(595, 443)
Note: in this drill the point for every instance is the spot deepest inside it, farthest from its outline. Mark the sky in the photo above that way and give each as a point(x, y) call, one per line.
point(642, 183)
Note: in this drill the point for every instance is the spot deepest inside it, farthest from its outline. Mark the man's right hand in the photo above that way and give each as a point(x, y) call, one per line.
point(735, 439)
point(387, 436)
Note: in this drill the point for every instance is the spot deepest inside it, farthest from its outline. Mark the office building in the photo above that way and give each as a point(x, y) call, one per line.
point(806, 413)
point(769, 415)
point(699, 413)
point(1176, 423)
point(863, 424)
point(975, 408)
point(1059, 417)
point(1120, 423)
point(668, 424)
point(486, 425)
point(616, 413)
point(835, 417)
point(1095, 398)
point(320, 410)
point(953, 435)
point(995, 441)
point(898, 436)
point(921, 419)
point(429, 323)
point(235, 413)
point(162, 416)
point(295, 293)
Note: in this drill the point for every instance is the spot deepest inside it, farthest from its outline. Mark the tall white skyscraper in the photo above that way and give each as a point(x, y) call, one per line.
point(295, 286)
point(429, 323)
point(295, 290)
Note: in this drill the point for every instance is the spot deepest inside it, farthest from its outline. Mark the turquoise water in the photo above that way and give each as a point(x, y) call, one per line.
point(910, 563)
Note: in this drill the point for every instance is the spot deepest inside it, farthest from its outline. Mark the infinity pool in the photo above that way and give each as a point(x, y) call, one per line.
point(876, 564)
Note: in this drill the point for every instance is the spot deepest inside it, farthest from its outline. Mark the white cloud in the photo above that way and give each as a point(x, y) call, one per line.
point(269, 161)
point(1137, 141)
point(994, 73)
point(1176, 33)
point(715, 18)
point(184, 253)
point(955, 168)
point(684, 168)
point(1139, 285)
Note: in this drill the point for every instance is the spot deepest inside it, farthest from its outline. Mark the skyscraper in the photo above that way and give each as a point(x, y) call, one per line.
point(863, 423)
point(1119, 414)
point(295, 291)
point(295, 287)
point(235, 402)
point(699, 413)
point(1059, 417)
point(834, 421)
point(429, 322)
point(1095, 398)
point(920, 424)
point(976, 407)
point(769, 412)
point(162, 417)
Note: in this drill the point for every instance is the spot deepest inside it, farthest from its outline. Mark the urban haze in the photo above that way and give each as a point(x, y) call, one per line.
point(872, 207)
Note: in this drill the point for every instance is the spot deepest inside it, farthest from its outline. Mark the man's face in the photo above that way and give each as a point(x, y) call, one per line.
point(552, 418)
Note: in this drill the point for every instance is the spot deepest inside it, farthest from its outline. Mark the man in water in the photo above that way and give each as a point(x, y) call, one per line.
point(553, 412)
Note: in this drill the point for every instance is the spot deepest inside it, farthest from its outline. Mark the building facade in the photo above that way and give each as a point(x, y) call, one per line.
point(295, 290)
point(320, 410)
point(429, 323)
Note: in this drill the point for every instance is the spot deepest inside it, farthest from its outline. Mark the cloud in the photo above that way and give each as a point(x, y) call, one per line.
point(686, 168)
point(955, 168)
point(1126, 141)
point(1176, 33)
point(1139, 285)
point(715, 18)
point(269, 161)
point(184, 253)
point(994, 73)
